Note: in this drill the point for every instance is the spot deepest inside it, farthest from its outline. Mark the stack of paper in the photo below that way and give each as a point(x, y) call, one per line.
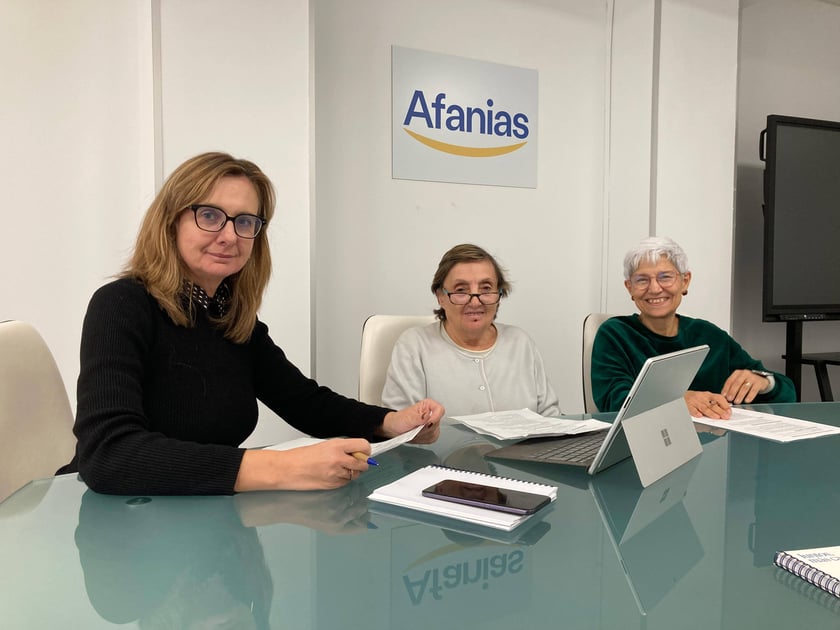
point(524, 423)
point(407, 492)
point(770, 426)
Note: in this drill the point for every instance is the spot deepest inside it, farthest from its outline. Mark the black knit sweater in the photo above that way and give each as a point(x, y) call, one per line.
point(162, 408)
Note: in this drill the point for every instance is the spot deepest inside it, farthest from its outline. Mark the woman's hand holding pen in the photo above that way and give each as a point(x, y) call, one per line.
point(332, 463)
point(708, 405)
point(323, 466)
point(426, 412)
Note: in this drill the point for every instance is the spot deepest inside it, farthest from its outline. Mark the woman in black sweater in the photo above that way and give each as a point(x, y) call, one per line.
point(174, 359)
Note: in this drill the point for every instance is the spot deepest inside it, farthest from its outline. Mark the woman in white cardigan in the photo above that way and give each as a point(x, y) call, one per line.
point(467, 361)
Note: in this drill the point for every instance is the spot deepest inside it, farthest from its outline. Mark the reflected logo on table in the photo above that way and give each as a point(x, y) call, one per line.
point(485, 121)
point(478, 572)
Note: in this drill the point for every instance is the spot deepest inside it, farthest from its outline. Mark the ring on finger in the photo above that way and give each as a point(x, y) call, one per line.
point(747, 384)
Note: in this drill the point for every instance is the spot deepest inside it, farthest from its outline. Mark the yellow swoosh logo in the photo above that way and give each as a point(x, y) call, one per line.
point(456, 149)
point(443, 551)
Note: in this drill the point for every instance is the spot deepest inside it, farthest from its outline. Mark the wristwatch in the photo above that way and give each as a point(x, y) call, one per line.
point(769, 376)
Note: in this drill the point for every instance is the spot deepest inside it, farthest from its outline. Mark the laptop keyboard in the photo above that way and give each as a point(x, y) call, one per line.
point(576, 450)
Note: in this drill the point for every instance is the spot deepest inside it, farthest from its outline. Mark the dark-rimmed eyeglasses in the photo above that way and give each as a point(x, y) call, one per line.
point(460, 298)
point(664, 279)
point(213, 219)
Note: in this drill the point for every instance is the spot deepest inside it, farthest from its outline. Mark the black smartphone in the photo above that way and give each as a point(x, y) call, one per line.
point(490, 497)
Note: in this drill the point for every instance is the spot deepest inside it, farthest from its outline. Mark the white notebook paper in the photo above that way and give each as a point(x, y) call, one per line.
point(819, 566)
point(407, 492)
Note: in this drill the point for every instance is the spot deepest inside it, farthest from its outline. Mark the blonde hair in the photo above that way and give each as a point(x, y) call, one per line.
point(158, 265)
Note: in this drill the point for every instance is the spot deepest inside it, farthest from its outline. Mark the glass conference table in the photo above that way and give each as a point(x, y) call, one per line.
point(693, 552)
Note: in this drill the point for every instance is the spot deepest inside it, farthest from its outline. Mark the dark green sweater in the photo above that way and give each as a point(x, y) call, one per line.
point(162, 408)
point(623, 344)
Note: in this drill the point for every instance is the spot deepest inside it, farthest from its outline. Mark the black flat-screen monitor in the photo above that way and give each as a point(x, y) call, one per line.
point(801, 219)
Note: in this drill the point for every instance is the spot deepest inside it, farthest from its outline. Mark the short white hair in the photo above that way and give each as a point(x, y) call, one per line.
point(651, 250)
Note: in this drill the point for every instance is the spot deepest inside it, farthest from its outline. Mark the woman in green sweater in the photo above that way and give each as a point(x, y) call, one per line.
point(657, 277)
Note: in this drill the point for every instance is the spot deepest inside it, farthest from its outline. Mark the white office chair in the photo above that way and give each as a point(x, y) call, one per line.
point(379, 334)
point(36, 422)
point(591, 323)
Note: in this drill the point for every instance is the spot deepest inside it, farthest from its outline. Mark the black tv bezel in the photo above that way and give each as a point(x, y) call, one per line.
point(771, 312)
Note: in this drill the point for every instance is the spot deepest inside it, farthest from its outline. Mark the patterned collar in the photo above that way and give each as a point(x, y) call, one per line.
point(216, 306)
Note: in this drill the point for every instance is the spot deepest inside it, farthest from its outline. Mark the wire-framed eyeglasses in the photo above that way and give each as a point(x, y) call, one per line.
point(664, 279)
point(213, 219)
point(460, 298)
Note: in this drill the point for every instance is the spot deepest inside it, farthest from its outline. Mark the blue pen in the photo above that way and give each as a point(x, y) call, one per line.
point(363, 457)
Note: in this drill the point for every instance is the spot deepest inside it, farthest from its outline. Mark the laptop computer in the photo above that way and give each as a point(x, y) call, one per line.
point(653, 425)
point(650, 531)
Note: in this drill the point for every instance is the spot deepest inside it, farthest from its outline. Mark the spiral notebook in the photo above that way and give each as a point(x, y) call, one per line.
point(793, 582)
point(819, 566)
point(407, 492)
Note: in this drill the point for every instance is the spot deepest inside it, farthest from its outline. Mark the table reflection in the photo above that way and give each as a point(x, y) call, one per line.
point(650, 530)
point(172, 563)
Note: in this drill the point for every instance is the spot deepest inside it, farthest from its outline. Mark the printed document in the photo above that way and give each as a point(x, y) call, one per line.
point(524, 423)
point(376, 448)
point(770, 426)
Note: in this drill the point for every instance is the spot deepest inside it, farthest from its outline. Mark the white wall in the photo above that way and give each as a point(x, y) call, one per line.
point(632, 80)
point(235, 77)
point(695, 144)
point(101, 97)
point(90, 116)
point(379, 239)
point(672, 121)
point(789, 59)
point(78, 156)
point(622, 87)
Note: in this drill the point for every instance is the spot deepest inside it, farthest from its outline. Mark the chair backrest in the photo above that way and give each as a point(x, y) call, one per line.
point(379, 334)
point(36, 422)
point(591, 323)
